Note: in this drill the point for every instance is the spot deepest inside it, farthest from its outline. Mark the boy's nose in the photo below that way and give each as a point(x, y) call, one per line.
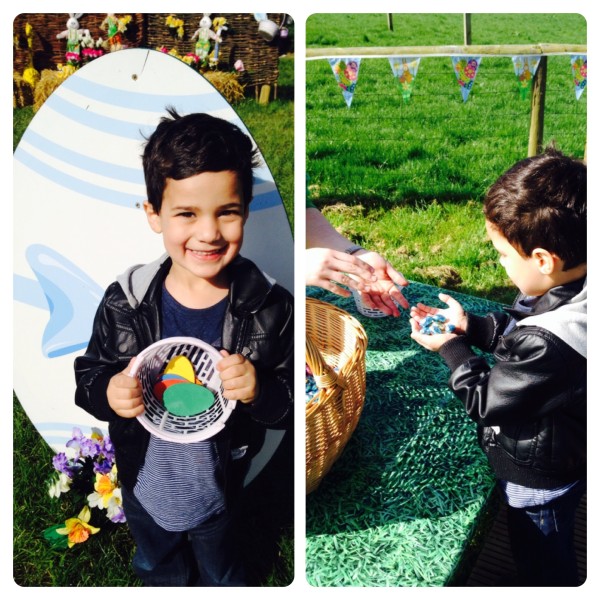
point(207, 230)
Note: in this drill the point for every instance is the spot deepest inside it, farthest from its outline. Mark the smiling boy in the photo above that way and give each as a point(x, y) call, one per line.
point(180, 500)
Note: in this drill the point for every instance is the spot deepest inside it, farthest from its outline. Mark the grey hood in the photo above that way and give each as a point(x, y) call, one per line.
point(136, 280)
point(567, 322)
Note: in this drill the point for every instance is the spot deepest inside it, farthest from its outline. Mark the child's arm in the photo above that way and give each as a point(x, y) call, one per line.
point(529, 371)
point(269, 377)
point(95, 369)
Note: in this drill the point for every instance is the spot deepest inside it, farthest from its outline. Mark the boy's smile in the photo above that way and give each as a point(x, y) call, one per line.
point(202, 222)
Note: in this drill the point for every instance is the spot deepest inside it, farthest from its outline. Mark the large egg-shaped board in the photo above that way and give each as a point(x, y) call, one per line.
point(79, 220)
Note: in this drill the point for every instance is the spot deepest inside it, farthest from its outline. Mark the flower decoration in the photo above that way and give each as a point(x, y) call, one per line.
point(86, 470)
point(175, 25)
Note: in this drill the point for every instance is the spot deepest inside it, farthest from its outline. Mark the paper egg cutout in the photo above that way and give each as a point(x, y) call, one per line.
point(187, 399)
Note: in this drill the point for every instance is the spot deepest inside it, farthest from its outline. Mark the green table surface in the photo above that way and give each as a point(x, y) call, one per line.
point(400, 505)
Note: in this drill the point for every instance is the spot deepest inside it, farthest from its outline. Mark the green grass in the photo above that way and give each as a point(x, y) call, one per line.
point(410, 177)
point(268, 542)
point(272, 127)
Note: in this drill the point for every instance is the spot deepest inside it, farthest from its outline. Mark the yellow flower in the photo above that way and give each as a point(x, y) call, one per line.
point(78, 529)
point(105, 486)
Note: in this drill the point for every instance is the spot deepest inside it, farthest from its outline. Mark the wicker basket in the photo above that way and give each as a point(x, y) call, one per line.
point(336, 344)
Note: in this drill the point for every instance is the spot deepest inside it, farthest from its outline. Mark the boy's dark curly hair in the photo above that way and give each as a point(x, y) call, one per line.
point(184, 146)
point(541, 202)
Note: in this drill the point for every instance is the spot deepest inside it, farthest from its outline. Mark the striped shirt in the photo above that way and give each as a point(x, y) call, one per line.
point(519, 496)
point(179, 484)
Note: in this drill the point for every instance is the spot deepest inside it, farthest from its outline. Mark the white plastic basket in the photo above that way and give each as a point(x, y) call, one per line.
point(373, 313)
point(149, 365)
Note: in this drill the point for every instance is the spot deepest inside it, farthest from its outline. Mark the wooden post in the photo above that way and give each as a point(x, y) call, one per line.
point(390, 20)
point(467, 28)
point(265, 92)
point(538, 95)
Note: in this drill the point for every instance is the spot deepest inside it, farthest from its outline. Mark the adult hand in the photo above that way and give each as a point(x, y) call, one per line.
point(332, 269)
point(383, 294)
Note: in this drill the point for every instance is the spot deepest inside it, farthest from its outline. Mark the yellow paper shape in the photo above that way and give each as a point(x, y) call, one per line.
point(181, 366)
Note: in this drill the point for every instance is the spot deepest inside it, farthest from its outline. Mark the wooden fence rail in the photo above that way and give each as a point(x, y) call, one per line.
point(538, 92)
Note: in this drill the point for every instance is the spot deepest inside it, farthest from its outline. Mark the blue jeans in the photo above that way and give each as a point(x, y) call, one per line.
point(207, 555)
point(541, 539)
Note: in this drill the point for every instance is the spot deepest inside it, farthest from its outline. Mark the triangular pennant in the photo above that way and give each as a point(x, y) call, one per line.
point(579, 69)
point(465, 69)
point(346, 75)
point(405, 71)
point(525, 69)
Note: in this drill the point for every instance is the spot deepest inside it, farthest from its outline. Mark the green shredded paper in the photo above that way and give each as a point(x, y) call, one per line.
point(400, 505)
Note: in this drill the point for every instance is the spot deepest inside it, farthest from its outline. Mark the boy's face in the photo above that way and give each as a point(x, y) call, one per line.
point(202, 222)
point(523, 271)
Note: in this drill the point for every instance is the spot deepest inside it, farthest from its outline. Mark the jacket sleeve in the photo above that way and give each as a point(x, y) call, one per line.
point(525, 382)
point(274, 403)
point(94, 369)
point(484, 332)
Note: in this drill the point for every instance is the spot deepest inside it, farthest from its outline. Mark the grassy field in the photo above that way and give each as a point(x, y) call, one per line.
point(407, 179)
point(35, 564)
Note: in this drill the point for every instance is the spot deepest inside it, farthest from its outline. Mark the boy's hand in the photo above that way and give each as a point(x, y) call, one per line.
point(238, 376)
point(455, 314)
point(124, 394)
point(430, 342)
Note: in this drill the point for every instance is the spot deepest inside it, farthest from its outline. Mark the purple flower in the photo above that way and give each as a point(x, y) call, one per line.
point(62, 464)
point(103, 465)
point(118, 516)
point(89, 447)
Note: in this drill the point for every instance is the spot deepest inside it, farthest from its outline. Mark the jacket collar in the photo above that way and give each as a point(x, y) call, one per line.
point(552, 299)
point(249, 285)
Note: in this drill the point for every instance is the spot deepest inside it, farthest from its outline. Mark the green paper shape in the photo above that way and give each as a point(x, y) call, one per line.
point(187, 399)
point(162, 385)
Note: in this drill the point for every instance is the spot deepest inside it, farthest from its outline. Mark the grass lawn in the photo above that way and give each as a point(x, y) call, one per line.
point(269, 550)
point(407, 179)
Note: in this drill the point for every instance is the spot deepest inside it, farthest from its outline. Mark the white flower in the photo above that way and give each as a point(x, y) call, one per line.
point(60, 485)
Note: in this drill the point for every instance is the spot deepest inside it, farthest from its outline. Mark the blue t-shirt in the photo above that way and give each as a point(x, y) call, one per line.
point(178, 483)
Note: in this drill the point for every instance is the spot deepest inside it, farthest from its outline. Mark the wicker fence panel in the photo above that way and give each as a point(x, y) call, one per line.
point(241, 41)
point(48, 52)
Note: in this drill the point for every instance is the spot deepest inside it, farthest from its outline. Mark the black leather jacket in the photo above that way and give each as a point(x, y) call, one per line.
point(258, 322)
point(531, 405)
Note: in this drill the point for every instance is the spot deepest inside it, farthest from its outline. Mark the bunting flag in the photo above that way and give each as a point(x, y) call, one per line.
point(525, 69)
point(346, 75)
point(465, 69)
point(579, 68)
point(405, 71)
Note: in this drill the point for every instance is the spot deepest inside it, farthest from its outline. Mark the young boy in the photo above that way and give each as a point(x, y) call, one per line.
point(531, 405)
point(179, 498)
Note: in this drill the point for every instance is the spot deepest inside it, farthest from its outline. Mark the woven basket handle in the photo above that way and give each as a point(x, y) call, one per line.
point(324, 375)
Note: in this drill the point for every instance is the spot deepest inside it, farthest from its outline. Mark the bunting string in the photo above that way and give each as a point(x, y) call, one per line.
point(405, 68)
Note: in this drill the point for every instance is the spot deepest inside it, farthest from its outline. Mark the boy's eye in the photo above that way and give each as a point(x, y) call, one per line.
point(228, 212)
point(186, 214)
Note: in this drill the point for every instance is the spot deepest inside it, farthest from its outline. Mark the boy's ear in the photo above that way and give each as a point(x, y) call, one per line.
point(153, 218)
point(546, 262)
